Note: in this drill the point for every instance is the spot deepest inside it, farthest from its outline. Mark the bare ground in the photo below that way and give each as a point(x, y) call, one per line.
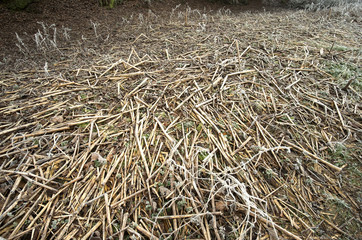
point(77, 15)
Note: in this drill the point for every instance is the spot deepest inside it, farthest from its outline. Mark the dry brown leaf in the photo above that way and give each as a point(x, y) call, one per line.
point(165, 191)
point(272, 234)
point(57, 119)
point(94, 156)
point(154, 205)
point(220, 206)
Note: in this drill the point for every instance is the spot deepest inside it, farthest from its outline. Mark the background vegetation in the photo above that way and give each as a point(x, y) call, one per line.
point(307, 4)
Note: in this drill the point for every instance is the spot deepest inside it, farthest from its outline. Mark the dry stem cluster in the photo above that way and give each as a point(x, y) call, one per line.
point(201, 126)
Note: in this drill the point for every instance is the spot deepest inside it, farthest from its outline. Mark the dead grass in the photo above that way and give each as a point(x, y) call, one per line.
point(192, 126)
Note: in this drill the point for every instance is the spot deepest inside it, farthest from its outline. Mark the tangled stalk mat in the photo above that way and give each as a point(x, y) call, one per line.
point(192, 125)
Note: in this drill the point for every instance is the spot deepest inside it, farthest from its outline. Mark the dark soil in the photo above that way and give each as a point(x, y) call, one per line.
point(77, 15)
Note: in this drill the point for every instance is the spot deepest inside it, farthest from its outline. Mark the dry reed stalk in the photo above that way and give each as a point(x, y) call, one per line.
point(227, 139)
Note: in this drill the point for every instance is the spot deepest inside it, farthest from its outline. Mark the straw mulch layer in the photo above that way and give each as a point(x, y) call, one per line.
point(210, 126)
